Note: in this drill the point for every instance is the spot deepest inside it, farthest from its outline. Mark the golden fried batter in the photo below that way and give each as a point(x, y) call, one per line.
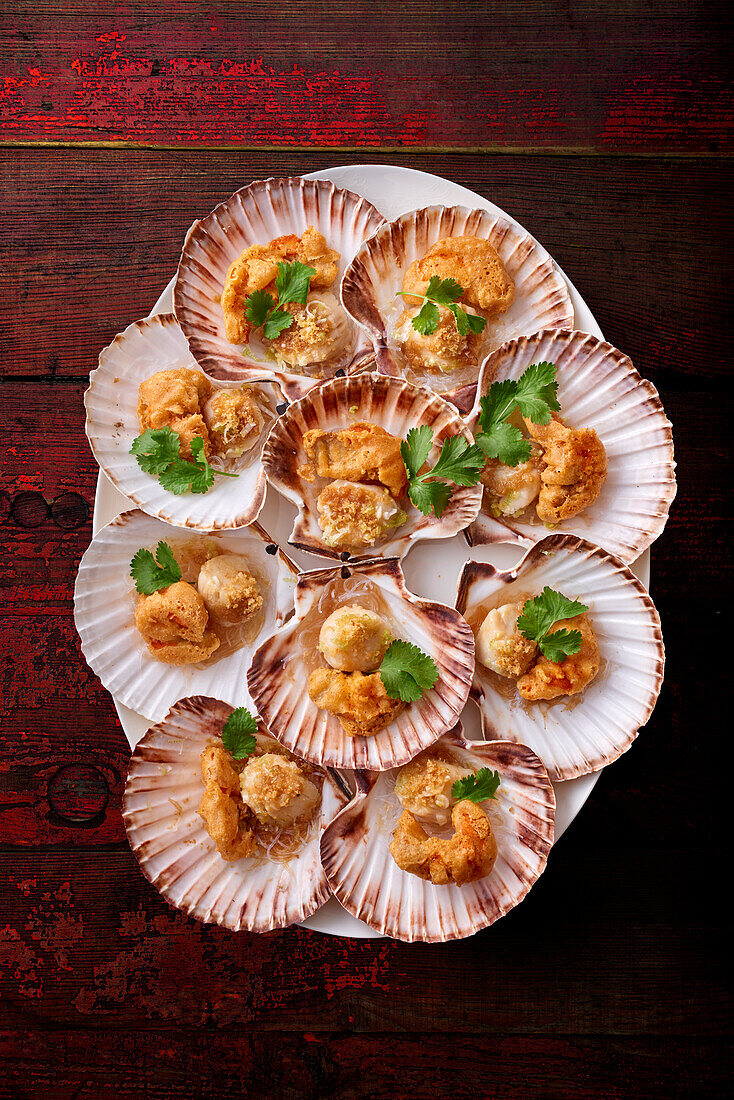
point(171, 398)
point(221, 807)
point(359, 702)
point(173, 622)
point(474, 264)
point(573, 469)
point(468, 855)
point(257, 267)
point(234, 421)
point(362, 452)
point(354, 516)
point(547, 680)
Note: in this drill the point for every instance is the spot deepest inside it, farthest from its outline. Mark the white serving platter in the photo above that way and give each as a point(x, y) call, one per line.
point(431, 569)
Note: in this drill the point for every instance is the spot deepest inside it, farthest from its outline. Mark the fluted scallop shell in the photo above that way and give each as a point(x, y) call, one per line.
point(104, 609)
point(367, 881)
point(582, 733)
point(257, 214)
point(176, 853)
point(598, 388)
point(392, 404)
point(375, 275)
point(278, 676)
point(145, 347)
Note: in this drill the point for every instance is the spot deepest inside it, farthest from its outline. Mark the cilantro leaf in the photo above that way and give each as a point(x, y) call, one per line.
point(459, 461)
point(416, 448)
point(478, 787)
point(257, 307)
point(406, 672)
point(467, 322)
point(155, 448)
point(238, 733)
point(277, 322)
point(430, 496)
point(560, 644)
point(537, 392)
point(497, 405)
point(293, 281)
point(443, 291)
point(505, 442)
point(426, 320)
point(152, 573)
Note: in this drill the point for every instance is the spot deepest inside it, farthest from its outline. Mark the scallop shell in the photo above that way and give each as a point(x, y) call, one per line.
point(598, 388)
point(264, 210)
point(368, 882)
point(585, 732)
point(176, 853)
point(278, 676)
point(375, 275)
point(395, 406)
point(153, 344)
point(104, 608)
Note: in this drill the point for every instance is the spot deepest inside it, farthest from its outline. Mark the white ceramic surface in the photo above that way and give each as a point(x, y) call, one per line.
point(430, 569)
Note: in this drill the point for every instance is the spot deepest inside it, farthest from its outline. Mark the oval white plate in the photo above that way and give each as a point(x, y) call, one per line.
point(431, 569)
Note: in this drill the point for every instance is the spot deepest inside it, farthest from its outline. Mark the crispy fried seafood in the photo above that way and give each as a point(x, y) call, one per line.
point(234, 421)
point(257, 267)
point(172, 398)
point(500, 645)
point(360, 702)
point(573, 469)
point(424, 787)
point(361, 452)
point(174, 624)
point(277, 792)
point(354, 639)
point(221, 807)
point(468, 855)
point(228, 588)
point(546, 680)
point(474, 264)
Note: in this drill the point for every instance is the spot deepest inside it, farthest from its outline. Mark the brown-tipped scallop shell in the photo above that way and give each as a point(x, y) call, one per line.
point(373, 279)
point(257, 214)
point(598, 388)
point(145, 347)
point(394, 405)
point(104, 608)
point(176, 853)
point(367, 881)
point(581, 733)
point(279, 674)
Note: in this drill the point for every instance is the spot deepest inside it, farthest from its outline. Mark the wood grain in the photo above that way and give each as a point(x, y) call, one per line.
point(594, 75)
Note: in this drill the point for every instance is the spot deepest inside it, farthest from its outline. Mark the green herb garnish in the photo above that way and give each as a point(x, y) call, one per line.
point(292, 283)
point(458, 461)
point(534, 394)
point(476, 788)
point(238, 733)
point(157, 451)
point(406, 671)
point(538, 616)
point(152, 573)
point(443, 292)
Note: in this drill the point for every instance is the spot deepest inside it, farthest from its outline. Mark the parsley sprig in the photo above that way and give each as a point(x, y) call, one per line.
point(157, 451)
point(292, 283)
point(406, 671)
point(478, 787)
point(534, 393)
point(458, 461)
point(238, 733)
point(443, 292)
point(538, 616)
point(152, 572)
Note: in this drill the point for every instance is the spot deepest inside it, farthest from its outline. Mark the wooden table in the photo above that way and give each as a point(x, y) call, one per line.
point(603, 127)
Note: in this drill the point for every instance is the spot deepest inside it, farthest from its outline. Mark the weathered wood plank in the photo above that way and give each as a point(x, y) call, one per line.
point(87, 245)
point(518, 74)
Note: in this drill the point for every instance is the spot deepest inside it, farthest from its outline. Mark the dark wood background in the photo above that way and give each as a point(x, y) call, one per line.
point(605, 128)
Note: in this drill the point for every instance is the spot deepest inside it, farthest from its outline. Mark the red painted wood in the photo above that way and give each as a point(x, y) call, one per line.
point(602, 75)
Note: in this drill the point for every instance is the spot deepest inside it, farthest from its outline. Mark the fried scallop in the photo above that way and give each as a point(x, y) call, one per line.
point(277, 791)
point(221, 806)
point(174, 624)
point(499, 644)
point(354, 639)
point(573, 469)
point(548, 680)
point(360, 702)
point(361, 452)
point(469, 854)
point(172, 398)
point(257, 267)
point(228, 588)
point(474, 263)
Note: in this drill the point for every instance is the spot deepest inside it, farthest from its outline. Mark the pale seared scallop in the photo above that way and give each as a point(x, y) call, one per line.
point(354, 639)
point(321, 332)
point(354, 516)
point(234, 421)
point(228, 588)
point(277, 791)
point(424, 788)
point(511, 489)
point(499, 644)
point(444, 349)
